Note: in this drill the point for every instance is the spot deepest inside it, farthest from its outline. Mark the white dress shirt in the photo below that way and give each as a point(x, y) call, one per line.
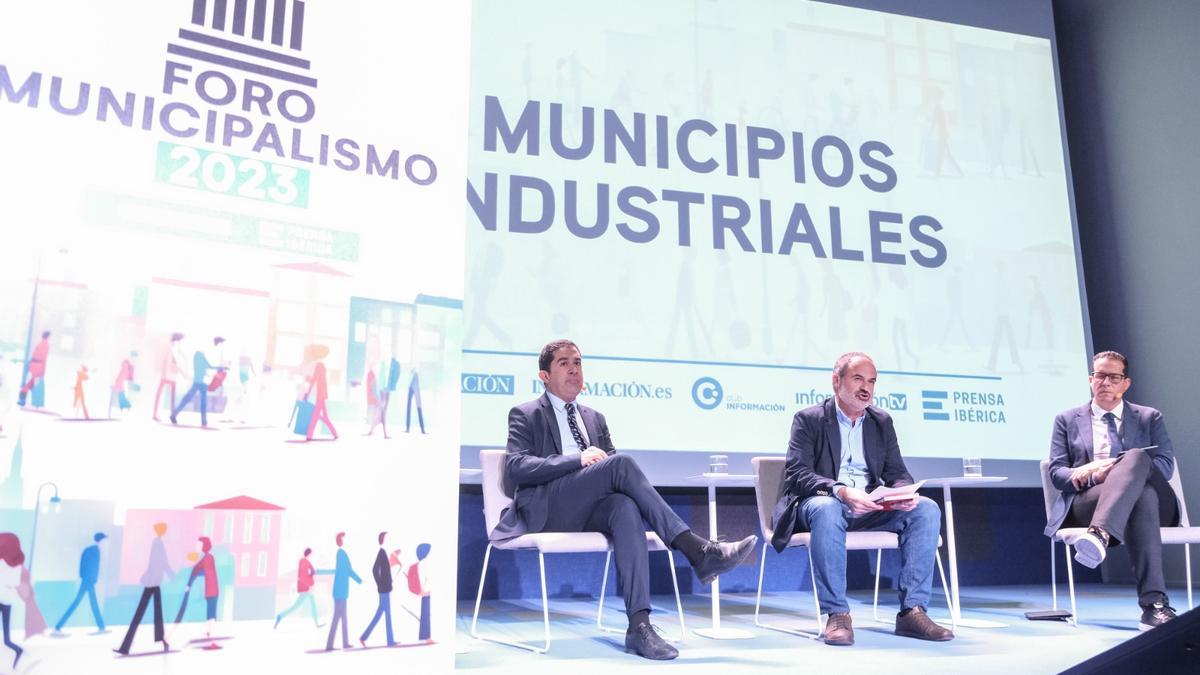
point(1101, 447)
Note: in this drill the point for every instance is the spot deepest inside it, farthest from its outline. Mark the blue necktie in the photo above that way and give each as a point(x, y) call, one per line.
point(575, 428)
point(1114, 439)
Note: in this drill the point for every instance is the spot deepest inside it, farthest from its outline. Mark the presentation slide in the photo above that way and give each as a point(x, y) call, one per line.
point(715, 200)
point(231, 288)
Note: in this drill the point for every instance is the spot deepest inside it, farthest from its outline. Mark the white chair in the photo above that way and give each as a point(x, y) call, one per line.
point(1184, 534)
point(768, 486)
point(495, 501)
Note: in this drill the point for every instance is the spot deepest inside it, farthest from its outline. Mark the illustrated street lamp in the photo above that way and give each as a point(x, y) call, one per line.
point(37, 509)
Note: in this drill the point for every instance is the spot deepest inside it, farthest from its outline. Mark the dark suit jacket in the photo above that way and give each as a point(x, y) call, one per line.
point(535, 459)
point(815, 453)
point(1071, 446)
point(382, 572)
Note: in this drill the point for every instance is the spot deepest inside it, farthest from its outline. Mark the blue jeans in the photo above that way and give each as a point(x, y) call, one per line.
point(90, 591)
point(424, 633)
point(414, 391)
point(828, 519)
point(384, 610)
point(197, 388)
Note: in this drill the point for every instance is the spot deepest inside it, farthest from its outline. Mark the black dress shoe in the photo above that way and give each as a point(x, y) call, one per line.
point(718, 558)
point(1156, 615)
point(643, 639)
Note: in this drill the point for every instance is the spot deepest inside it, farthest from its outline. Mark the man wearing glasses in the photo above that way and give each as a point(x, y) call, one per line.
point(1112, 460)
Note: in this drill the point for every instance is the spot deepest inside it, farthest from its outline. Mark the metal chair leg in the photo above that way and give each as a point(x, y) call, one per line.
point(1053, 577)
point(678, 600)
point(812, 573)
point(758, 595)
point(1071, 584)
point(674, 584)
point(945, 588)
point(545, 601)
point(603, 591)
point(762, 566)
point(487, 555)
point(878, 573)
point(1187, 565)
point(545, 609)
point(954, 611)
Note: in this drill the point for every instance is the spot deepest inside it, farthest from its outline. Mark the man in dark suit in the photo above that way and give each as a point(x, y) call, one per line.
point(1112, 460)
point(564, 475)
point(839, 451)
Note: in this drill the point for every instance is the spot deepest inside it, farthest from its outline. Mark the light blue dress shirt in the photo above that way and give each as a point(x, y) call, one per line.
point(852, 470)
point(569, 446)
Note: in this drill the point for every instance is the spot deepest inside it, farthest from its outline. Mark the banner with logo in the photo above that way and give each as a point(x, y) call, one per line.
point(230, 331)
point(716, 201)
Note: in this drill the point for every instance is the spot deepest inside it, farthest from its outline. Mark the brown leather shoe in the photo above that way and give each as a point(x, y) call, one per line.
point(838, 631)
point(915, 623)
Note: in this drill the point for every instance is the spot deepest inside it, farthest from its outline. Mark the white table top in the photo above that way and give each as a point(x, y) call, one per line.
point(962, 481)
point(723, 478)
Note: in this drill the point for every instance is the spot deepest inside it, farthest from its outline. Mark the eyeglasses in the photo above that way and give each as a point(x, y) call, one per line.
point(1115, 378)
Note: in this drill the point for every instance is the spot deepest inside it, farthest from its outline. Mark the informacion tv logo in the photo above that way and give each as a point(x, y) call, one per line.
point(707, 393)
point(933, 403)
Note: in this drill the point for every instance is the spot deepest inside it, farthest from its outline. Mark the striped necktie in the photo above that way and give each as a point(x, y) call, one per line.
point(575, 433)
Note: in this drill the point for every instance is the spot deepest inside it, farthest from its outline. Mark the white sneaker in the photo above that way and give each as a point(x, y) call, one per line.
point(1090, 550)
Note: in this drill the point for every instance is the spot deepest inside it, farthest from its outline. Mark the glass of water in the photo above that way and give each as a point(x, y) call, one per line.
point(718, 464)
point(972, 467)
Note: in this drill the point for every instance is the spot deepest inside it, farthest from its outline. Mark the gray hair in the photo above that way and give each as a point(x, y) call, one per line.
point(843, 362)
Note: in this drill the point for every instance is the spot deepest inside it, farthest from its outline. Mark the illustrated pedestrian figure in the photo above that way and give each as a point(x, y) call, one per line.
point(378, 397)
point(304, 583)
point(172, 367)
point(382, 572)
point(89, 574)
point(12, 562)
point(246, 390)
point(206, 567)
point(80, 402)
point(342, 574)
point(418, 585)
point(124, 381)
point(200, 368)
point(36, 368)
point(317, 382)
point(414, 393)
point(158, 571)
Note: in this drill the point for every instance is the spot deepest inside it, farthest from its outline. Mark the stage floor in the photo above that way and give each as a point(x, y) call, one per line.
point(1109, 616)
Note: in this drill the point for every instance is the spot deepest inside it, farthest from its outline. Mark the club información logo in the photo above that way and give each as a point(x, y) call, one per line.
point(707, 393)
